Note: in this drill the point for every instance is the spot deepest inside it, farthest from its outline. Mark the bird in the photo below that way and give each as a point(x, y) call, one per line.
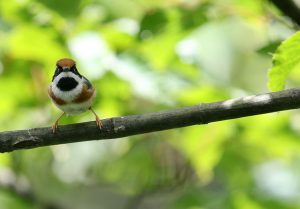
point(71, 92)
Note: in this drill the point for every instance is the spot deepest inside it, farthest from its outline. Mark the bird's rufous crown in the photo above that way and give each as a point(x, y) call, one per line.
point(65, 62)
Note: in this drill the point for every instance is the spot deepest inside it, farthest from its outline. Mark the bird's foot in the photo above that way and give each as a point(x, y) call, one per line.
point(99, 122)
point(54, 127)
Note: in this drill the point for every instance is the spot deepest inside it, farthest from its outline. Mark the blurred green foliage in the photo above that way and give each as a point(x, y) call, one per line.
point(285, 59)
point(144, 56)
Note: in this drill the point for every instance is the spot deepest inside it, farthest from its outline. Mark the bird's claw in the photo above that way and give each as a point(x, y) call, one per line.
point(99, 122)
point(54, 127)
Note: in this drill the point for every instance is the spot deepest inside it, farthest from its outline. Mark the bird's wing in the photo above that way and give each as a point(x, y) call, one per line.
point(87, 82)
point(54, 98)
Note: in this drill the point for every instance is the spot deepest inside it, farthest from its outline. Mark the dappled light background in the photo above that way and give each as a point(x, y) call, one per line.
point(144, 56)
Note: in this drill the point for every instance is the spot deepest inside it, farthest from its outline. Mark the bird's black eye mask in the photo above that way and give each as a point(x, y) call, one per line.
point(74, 70)
point(59, 69)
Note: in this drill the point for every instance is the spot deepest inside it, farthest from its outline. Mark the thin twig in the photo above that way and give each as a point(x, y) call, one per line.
point(138, 124)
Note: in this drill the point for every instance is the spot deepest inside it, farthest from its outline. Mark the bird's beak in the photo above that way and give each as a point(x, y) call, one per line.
point(66, 69)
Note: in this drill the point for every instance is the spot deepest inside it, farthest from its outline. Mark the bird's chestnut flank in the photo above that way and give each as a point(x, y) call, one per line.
point(70, 91)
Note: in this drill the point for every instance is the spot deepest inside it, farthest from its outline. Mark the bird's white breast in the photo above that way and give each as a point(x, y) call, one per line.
point(69, 96)
point(76, 108)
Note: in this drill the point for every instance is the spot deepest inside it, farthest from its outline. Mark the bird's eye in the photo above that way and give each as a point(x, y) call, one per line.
point(73, 69)
point(58, 69)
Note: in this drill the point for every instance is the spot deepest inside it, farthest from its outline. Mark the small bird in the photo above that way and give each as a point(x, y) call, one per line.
point(70, 91)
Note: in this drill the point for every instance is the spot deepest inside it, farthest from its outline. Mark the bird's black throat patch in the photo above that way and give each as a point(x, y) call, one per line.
point(67, 83)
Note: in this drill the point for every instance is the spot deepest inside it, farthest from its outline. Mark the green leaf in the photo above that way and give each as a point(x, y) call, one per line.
point(154, 22)
point(269, 48)
point(68, 8)
point(195, 16)
point(285, 59)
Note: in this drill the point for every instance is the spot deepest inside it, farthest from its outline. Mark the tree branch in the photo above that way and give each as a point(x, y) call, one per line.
point(137, 124)
point(289, 8)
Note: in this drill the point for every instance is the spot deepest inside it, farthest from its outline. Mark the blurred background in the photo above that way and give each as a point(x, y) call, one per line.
point(144, 56)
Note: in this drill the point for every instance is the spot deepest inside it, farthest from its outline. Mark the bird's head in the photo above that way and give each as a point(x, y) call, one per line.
point(66, 66)
point(66, 75)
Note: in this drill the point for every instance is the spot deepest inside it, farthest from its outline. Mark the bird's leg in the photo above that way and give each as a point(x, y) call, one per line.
point(55, 125)
point(98, 121)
